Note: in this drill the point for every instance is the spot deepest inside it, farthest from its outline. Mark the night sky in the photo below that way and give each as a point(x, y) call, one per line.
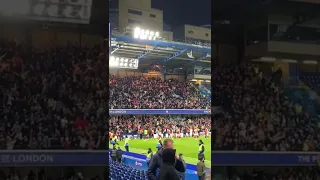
point(180, 12)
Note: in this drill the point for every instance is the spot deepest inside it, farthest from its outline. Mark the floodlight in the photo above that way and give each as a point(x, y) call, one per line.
point(145, 34)
point(136, 32)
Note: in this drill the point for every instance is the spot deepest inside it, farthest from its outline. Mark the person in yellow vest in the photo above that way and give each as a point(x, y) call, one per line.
point(201, 148)
point(145, 133)
point(149, 156)
point(126, 143)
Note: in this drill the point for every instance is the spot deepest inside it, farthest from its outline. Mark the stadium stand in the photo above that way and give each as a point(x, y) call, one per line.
point(258, 115)
point(154, 93)
point(59, 92)
point(119, 171)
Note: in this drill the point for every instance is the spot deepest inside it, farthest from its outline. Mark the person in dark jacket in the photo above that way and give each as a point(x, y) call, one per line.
point(157, 161)
point(167, 171)
point(149, 156)
point(182, 174)
point(119, 154)
point(113, 154)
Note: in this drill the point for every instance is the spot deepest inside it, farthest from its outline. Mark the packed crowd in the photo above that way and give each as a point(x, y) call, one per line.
point(134, 92)
point(52, 99)
point(135, 125)
point(257, 114)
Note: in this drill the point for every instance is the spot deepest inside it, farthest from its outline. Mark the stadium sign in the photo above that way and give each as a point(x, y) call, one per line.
point(158, 111)
point(68, 11)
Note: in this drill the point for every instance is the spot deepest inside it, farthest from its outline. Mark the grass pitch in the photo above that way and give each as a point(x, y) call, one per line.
point(187, 146)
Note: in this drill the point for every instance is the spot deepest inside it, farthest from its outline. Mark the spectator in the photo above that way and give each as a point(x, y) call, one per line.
point(167, 170)
point(182, 175)
point(157, 161)
point(201, 169)
point(119, 155)
point(149, 156)
point(113, 154)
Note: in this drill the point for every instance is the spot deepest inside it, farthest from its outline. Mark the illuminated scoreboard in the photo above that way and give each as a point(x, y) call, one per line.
point(124, 63)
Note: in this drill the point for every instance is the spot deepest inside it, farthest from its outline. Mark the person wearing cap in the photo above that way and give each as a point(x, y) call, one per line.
point(157, 161)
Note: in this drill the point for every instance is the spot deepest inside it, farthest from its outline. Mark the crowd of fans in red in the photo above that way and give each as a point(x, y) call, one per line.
point(257, 114)
point(134, 92)
point(134, 125)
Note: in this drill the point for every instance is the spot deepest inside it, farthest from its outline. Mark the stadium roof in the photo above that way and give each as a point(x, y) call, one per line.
point(168, 53)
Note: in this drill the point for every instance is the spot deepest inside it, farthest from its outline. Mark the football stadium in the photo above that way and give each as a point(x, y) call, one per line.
point(159, 89)
point(55, 58)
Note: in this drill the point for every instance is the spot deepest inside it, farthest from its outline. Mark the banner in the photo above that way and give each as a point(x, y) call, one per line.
point(237, 158)
point(67, 158)
point(53, 158)
point(158, 111)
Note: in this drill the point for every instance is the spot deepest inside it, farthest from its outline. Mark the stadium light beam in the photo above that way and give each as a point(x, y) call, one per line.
point(144, 34)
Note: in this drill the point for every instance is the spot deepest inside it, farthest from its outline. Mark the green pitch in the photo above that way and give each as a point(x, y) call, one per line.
point(187, 146)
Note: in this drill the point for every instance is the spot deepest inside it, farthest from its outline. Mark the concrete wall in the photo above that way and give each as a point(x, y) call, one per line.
point(196, 32)
point(147, 17)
